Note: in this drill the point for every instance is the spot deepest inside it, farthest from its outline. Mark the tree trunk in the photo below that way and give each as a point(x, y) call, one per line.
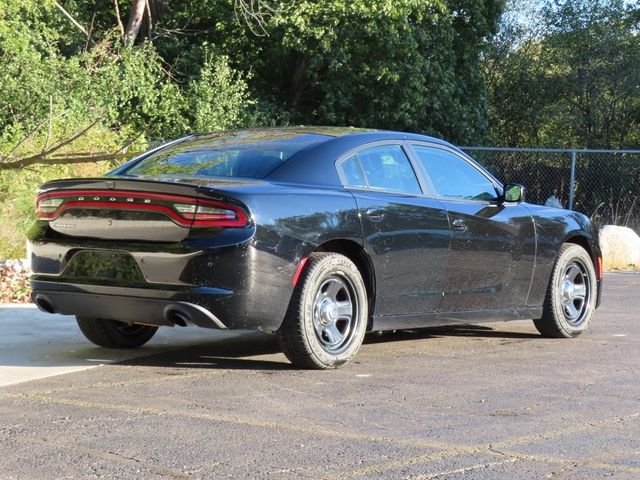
point(298, 80)
point(135, 21)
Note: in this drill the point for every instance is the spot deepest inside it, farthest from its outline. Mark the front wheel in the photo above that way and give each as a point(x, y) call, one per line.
point(115, 334)
point(327, 317)
point(571, 295)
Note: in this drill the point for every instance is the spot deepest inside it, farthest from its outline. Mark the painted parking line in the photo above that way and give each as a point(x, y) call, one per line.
point(36, 345)
point(439, 450)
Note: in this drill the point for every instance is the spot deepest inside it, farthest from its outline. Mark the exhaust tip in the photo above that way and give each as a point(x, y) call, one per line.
point(44, 304)
point(177, 317)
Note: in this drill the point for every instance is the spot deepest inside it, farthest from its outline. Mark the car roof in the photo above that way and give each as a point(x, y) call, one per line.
point(311, 165)
point(368, 134)
point(314, 163)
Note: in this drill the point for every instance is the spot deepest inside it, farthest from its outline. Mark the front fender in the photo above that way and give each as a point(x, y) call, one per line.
point(554, 228)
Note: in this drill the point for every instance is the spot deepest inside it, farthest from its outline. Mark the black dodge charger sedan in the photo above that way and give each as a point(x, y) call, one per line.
point(316, 234)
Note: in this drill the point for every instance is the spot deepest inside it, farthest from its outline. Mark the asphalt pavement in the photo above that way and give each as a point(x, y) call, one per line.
point(491, 401)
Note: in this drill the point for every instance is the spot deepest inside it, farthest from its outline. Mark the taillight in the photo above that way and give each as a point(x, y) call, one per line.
point(212, 214)
point(47, 206)
point(185, 211)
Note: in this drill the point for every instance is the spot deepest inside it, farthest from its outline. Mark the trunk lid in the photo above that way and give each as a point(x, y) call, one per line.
point(154, 210)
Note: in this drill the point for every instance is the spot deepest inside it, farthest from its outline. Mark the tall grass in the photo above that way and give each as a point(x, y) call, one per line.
point(17, 200)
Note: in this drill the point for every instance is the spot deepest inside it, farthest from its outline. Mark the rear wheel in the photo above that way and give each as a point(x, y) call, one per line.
point(115, 334)
point(571, 294)
point(327, 317)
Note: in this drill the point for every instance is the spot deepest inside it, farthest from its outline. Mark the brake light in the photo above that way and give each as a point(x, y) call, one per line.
point(185, 211)
point(48, 205)
point(212, 214)
point(200, 212)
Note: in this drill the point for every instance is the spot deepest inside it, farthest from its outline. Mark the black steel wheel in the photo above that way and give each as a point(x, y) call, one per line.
point(114, 334)
point(571, 295)
point(327, 317)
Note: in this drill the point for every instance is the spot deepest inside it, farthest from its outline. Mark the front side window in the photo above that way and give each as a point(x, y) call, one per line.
point(453, 177)
point(387, 167)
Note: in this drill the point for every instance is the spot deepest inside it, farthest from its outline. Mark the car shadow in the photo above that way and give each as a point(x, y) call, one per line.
point(481, 331)
point(239, 352)
point(234, 352)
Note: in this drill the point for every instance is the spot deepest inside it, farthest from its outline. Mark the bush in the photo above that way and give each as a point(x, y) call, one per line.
point(119, 95)
point(17, 200)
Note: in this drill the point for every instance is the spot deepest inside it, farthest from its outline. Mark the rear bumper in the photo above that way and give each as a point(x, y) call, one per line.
point(244, 287)
point(147, 311)
point(137, 305)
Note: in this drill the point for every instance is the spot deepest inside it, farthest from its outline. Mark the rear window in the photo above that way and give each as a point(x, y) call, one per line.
point(230, 154)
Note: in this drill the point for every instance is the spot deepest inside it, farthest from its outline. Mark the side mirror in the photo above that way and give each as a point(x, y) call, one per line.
point(513, 193)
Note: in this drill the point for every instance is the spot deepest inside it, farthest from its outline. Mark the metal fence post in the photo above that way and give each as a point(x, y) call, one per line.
point(572, 181)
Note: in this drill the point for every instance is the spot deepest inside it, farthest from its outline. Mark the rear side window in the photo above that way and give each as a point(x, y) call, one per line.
point(353, 173)
point(231, 154)
point(385, 167)
point(453, 177)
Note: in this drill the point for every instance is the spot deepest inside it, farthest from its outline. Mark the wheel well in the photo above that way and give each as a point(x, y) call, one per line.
point(584, 243)
point(354, 252)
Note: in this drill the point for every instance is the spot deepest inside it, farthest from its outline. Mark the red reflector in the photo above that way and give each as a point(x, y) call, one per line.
point(303, 262)
point(600, 272)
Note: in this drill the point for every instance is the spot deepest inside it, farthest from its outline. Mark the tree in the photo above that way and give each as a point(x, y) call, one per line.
point(136, 16)
point(394, 64)
point(101, 101)
point(572, 80)
point(402, 64)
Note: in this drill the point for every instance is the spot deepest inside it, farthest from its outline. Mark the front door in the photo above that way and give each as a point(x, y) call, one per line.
point(492, 243)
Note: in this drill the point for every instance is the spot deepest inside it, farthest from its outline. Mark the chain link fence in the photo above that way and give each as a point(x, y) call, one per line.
point(603, 184)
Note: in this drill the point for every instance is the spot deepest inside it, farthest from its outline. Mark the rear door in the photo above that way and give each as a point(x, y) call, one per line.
point(492, 242)
point(406, 234)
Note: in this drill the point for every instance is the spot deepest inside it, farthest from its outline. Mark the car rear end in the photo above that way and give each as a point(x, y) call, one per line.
point(165, 240)
point(136, 251)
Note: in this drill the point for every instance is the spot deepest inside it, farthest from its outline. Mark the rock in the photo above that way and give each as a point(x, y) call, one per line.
point(620, 247)
point(553, 201)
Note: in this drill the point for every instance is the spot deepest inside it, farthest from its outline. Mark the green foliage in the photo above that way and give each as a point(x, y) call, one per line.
point(394, 64)
point(574, 82)
point(17, 197)
point(403, 65)
point(54, 83)
point(131, 90)
point(218, 97)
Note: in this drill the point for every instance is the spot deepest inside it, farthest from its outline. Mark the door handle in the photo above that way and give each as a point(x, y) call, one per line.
point(375, 214)
point(458, 225)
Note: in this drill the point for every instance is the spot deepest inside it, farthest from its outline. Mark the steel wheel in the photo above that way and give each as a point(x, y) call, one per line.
point(575, 290)
point(335, 313)
point(327, 317)
point(571, 295)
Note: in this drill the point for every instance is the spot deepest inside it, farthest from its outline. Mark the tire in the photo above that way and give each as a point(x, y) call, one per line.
point(327, 317)
point(571, 295)
point(114, 334)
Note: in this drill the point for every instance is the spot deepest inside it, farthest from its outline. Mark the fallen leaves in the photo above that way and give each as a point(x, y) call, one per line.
point(14, 282)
